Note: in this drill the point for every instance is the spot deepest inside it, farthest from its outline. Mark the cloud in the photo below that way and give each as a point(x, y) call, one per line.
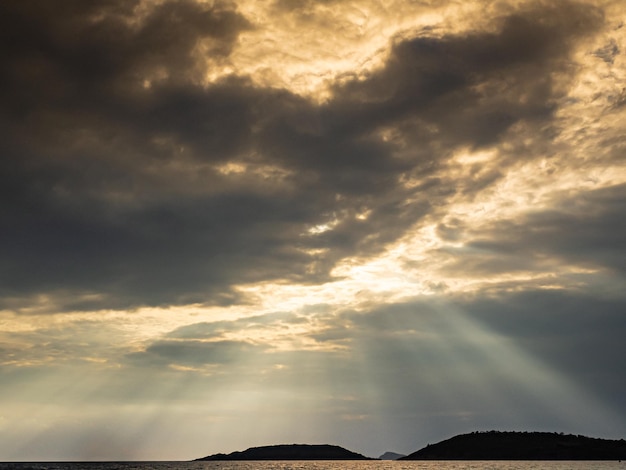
point(124, 47)
point(195, 352)
point(207, 330)
point(131, 182)
point(581, 230)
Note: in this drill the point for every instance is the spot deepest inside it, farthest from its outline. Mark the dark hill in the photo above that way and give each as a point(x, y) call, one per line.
point(495, 445)
point(291, 452)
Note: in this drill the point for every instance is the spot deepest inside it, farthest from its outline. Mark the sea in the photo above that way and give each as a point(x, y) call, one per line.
point(321, 465)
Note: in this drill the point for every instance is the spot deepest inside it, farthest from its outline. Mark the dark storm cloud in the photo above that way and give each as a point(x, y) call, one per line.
point(110, 142)
point(471, 88)
point(60, 53)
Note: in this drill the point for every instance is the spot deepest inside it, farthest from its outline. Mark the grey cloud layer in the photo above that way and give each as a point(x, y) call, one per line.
point(110, 145)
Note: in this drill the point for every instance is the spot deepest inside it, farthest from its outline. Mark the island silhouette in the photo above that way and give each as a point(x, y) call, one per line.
point(478, 445)
point(291, 452)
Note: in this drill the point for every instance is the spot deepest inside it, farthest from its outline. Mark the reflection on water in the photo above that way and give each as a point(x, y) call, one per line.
point(320, 465)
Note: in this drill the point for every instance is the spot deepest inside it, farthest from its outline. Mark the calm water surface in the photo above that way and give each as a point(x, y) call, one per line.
point(319, 465)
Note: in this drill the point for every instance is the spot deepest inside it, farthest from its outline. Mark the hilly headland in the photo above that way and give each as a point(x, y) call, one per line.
point(498, 445)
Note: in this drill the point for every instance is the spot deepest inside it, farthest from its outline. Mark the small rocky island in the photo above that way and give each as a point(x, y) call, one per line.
point(497, 445)
point(391, 456)
point(290, 452)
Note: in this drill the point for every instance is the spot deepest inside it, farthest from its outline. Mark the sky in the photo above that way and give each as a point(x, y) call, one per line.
point(369, 223)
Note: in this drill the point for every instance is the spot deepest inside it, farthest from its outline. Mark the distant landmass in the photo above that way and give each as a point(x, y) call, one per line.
point(290, 452)
point(498, 445)
point(391, 456)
